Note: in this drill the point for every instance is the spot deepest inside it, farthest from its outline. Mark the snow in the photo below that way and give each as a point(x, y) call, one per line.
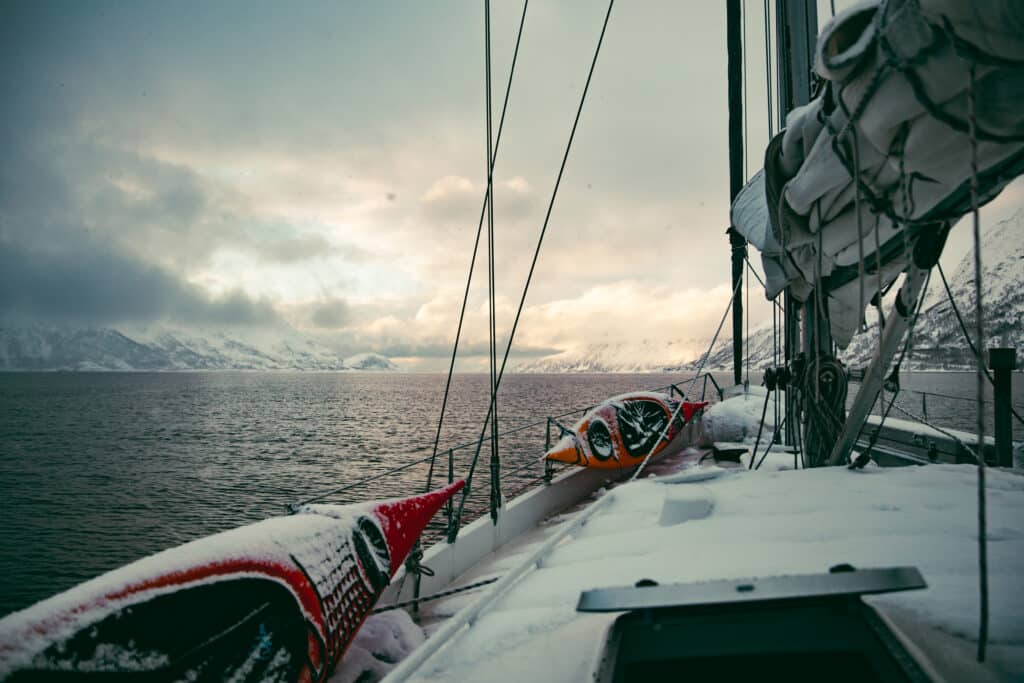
point(762, 523)
point(383, 640)
point(368, 361)
point(968, 439)
point(737, 419)
point(638, 355)
point(316, 537)
point(162, 348)
point(29, 631)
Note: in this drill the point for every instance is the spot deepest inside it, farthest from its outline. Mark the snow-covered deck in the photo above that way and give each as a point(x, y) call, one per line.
point(739, 524)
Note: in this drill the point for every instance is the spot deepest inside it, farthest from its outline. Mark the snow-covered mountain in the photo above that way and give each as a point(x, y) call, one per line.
point(938, 342)
point(643, 355)
point(368, 361)
point(52, 348)
point(938, 338)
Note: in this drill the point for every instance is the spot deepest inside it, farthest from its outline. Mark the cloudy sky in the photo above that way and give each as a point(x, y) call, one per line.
point(320, 166)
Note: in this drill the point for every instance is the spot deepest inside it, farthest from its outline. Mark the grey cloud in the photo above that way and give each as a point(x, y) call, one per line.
point(304, 248)
point(462, 206)
point(330, 314)
point(90, 283)
point(81, 83)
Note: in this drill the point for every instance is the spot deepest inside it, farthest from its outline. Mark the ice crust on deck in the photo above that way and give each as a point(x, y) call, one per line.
point(765, 523)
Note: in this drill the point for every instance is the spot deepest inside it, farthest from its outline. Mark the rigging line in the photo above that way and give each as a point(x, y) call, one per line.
point(435, 596)
point(536, 253)
point(760, 428)
point(757, 276)
point(878, 281)
point(819, 306)
point(968, 449)
point(860, 226)
point(768, 66)
point(492, 331)
point(746, 172)
point(775, 360)
point(903, 354)
point(476, 245)
point(979, 334)
point(703, 362)
point(967, 336)
point(743, 52)
point(798, 436)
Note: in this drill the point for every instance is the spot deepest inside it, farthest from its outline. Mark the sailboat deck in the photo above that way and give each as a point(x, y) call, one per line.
point(713, 523)
point(434, 613)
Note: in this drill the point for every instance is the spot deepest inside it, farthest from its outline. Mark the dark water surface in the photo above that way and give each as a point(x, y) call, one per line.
point(97, 470)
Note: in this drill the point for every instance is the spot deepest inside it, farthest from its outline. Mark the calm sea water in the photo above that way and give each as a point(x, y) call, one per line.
point(97, 470)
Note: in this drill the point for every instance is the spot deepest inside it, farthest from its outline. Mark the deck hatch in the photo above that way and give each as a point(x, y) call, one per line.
point(794, 628)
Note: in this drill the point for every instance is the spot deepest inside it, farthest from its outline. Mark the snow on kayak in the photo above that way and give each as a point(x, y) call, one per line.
point(279, 600)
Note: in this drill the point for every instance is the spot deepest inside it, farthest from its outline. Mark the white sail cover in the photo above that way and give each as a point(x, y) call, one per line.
point(895, 106)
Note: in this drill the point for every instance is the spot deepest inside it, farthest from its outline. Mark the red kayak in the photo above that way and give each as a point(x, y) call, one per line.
point(279, 600)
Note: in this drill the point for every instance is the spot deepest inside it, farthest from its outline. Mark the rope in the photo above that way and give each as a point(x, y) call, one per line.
point(476, 246)
point(823, 412)
point(536, 253)
point(768, 67)
point(686, 393)
point(945, 432)
point(878, 279)
point(746, 341)
point(495, 482)
point(860, 227)
point(436, 596)
point(777, 310)
point(863, 458)
point(746, 133)
point(753, 271)
point(979, 334)
point(760, 428)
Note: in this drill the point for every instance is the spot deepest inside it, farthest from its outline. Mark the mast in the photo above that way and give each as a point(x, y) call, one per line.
point(737, 243)
point(796, 23)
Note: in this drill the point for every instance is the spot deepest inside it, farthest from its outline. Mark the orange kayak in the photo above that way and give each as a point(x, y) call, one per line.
point(622, 430)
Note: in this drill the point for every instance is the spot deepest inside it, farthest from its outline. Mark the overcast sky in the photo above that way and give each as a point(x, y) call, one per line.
point(257, 165)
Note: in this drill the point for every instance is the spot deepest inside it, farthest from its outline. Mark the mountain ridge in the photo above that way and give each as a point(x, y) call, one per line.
point(163, 350)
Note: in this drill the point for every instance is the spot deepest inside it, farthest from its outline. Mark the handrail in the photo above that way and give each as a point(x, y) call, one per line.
point(530, 461)
point(941, 395)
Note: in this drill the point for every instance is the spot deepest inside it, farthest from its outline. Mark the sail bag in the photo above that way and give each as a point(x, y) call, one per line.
point(906, 85)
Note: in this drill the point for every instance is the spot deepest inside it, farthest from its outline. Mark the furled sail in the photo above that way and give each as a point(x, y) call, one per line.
point(908, 86)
